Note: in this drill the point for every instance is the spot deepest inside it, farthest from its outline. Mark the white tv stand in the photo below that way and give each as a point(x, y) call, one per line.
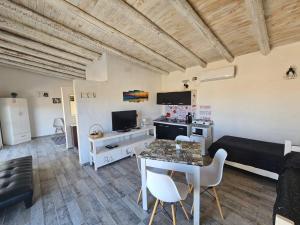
point(126, 141)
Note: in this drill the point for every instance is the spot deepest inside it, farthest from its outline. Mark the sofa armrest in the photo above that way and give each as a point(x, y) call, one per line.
point(280, 220)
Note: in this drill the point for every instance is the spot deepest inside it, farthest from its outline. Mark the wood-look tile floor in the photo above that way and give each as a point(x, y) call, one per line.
point(66, 193)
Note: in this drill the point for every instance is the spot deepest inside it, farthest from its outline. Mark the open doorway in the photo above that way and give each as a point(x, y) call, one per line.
point(70, 115)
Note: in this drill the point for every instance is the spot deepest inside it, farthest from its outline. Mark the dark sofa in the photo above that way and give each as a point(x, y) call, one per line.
point(16, 184)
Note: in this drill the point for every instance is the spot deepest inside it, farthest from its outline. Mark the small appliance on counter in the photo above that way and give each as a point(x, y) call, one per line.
point(189, 118)
point(202, 132)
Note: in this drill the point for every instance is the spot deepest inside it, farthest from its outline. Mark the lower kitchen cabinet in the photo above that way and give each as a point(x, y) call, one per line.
point(169, 131)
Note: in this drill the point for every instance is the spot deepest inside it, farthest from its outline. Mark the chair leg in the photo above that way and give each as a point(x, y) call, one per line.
point(139, 197)
point(184, 211)
point(191, 188)
point(218, 203)
point(173, 214)
point(153, 212)
point(192, 209)
point(162, 204)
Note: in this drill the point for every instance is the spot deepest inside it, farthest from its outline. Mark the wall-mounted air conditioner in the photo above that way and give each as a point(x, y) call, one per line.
point(217, 74)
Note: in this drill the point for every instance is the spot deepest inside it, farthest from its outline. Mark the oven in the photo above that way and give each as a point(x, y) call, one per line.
point(201, 130)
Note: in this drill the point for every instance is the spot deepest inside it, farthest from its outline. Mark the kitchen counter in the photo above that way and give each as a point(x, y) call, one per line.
point(172, 122)
point(169, 129)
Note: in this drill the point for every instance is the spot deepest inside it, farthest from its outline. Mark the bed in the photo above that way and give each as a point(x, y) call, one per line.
point(260, 157)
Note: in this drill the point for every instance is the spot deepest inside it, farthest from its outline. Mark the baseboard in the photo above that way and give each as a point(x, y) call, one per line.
point(252, 169)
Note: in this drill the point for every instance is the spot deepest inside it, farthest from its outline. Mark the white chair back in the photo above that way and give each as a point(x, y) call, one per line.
point(215, 169)
point(162, 187)
point(58, 122)
point(182, 138)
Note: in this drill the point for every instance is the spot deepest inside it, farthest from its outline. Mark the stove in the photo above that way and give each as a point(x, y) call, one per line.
point(202, 132)
point(202, 122)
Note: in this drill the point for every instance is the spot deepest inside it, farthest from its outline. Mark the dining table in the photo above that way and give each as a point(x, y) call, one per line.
point(169, 155)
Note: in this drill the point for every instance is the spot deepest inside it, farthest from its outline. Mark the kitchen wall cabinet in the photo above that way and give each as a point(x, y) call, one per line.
point(176, 98)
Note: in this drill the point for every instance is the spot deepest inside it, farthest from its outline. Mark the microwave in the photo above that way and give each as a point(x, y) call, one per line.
point(201, 131)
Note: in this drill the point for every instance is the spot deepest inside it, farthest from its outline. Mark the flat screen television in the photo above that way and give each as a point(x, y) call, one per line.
point(124, 120)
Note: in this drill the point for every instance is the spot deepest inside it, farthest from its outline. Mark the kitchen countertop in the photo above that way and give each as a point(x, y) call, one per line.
point(165, 150)
point(172, 122)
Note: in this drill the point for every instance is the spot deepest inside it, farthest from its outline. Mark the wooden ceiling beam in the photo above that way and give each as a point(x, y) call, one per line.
point(23, 15)
point(38, 36)
point(38, 70)
point(192, 16)
point(40, 65)
point(256, 12)
point(63, 5)
point(39, 60)
point(23, 50)
point(161, 34)
point(42, 47)
point(31, 52)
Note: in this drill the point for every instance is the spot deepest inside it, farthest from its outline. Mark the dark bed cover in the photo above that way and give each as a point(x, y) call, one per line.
point(288, 189)
point(259, 154)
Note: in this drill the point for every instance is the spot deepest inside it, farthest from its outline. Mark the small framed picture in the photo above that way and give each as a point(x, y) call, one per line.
point(43, 94)
point(56, 100)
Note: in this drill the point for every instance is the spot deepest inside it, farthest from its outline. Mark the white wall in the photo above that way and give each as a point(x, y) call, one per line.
point(27, 84)
point(98, 69)
point(259, 103)
point(122, 76)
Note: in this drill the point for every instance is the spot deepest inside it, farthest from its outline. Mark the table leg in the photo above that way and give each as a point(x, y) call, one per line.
point(93, 156)
point(197, 195)
point(91, 153)
point(144, 186)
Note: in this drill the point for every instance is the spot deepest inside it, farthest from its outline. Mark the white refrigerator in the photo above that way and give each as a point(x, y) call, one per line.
point(14, 118)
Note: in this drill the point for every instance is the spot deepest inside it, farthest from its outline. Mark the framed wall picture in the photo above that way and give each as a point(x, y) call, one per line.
point(44, 94)
point(135, 96)
point(56, 100)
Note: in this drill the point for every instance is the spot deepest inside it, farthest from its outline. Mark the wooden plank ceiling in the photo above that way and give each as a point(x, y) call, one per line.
point(61, 37)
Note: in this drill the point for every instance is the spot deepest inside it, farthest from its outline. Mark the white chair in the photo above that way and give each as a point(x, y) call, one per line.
point(182, 138)
point(164, 189)
point(58, 124)
point(137, 152)
point(211, 176)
